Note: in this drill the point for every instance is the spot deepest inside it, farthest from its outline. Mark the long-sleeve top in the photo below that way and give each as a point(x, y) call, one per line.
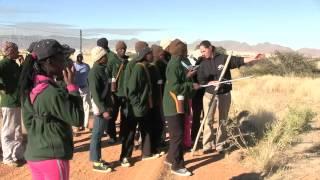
point(210, 70)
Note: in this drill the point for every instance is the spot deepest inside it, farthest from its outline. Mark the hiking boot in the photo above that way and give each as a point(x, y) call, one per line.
point(102, 166)
point(181, 172)
point(154, 156)
point(125, 162)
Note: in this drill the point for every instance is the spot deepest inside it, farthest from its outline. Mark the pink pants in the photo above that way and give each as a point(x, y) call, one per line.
point(187, 127)
point(54, 169)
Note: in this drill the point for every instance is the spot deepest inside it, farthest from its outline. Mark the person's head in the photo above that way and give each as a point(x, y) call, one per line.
point(178, 48)
point(145, 54)
point(48, 58)
point(79, 58)
point(206, 49)
point(99, 55)
point(157, 52)
point(103, 42)
point(10, 50)
point(121, 48)
point(51, 57)
point(31, 46)
point(140, 45)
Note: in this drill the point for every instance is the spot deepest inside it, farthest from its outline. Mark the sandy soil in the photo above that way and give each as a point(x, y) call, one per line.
point(211, 166)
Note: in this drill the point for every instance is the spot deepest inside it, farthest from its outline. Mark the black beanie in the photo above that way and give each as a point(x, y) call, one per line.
point(103, 42)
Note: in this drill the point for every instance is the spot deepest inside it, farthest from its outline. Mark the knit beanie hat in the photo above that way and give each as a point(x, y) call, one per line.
point(102, 42)
point(97, 53)
point(156, 50)
point(121, 45)
point(142, 53)
point(140, 45)
point(9, 48)
point(177, 48)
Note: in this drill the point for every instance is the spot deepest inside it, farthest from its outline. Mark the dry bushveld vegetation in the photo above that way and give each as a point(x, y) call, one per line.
point(282, 107)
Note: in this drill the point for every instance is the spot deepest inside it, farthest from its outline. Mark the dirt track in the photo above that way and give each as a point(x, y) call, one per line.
point(212, 166)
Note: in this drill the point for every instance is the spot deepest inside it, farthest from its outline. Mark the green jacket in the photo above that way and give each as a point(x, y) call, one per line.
point(98, 86)
point(157, 84)
point(9, 76)
point(139, 90)
point(127, 75)
point(111, 58)
point(176, 84)
point(48, 123)
point(114, 65)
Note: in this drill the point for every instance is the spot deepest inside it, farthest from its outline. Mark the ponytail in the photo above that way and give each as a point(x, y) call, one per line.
point(29, 69)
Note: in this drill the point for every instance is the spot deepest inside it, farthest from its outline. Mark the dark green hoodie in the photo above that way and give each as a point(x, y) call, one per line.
point(176, 84)
point(98, 86)
point(139, 90)
point(48, 123)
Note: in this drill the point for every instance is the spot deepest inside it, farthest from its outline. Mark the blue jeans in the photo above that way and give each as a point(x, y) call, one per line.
point(99, 125)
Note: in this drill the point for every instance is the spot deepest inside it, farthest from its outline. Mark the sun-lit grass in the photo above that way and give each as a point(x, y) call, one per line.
point(280, 109)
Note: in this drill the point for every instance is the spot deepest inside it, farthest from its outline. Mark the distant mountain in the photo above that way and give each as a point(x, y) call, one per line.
point(309, 52)
point(242, 46)
point(24, 41)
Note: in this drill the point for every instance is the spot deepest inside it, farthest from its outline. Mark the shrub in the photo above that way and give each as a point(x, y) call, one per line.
point(282, 64)
point(268, 154)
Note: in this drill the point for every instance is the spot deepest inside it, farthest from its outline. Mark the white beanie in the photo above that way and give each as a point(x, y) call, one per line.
point(164, 43)
point(75, 55)
point(97, 53)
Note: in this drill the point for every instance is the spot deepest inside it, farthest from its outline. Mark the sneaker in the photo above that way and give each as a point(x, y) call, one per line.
point(162, 153)
point(125, 162)
point(102, 166)
point(154, 156)
point(21, 162)
point(181, 172)
point(111, 141)
point(222, 148)
point(207, 151)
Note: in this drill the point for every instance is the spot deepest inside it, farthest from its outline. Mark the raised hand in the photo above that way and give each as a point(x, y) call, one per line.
point(69, 75)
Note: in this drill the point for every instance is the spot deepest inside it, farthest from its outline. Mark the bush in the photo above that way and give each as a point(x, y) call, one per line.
point(269, 153)
point(282, 64)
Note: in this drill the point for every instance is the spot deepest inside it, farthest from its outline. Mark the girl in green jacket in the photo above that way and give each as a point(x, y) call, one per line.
point(175, 103)
point(49, 110)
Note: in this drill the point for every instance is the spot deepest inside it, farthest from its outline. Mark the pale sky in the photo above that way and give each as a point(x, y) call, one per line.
point(294, 24)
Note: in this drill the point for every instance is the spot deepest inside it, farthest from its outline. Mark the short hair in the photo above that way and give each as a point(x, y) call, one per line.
point(205, 43)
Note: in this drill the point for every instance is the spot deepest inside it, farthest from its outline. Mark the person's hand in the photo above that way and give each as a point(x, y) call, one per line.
point(196, 86)
point(106, 115)
point(191, 73)
point(69, 75)
point(213, 83)
point(251, 60)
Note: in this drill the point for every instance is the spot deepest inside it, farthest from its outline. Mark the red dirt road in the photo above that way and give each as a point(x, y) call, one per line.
point(208, 167)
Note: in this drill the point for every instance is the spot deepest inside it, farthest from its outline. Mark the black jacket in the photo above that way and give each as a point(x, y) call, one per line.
point(210, 70)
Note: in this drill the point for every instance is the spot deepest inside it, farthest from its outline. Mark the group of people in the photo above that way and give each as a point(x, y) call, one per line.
point(158, 87)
